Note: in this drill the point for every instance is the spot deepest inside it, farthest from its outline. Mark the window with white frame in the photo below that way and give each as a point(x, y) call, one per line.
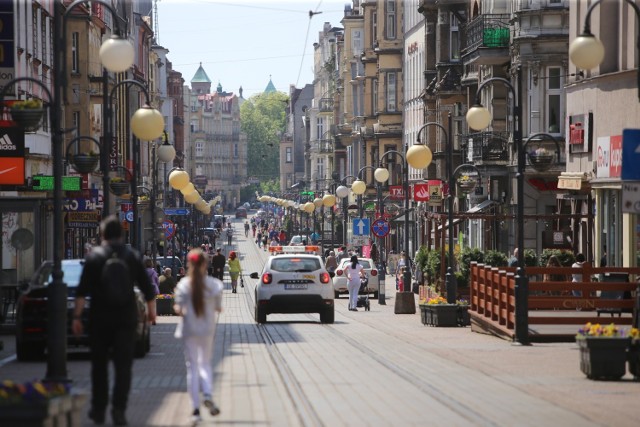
point(374, 28)
point(554, 113)
point(76, 123)
point(374, 95)
point(320, 168)
point(288, 155)
point(391, 20)
point(391, 91)
point(319, 127)
point(75, 61)
point(454, 39)
point(199, 149)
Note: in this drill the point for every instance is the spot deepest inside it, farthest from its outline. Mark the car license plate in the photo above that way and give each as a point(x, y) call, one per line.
point(72, 304)
point(295, 286)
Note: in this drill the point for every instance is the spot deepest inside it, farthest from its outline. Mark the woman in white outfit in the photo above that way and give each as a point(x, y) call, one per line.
point(354, 273)
point(198, 300)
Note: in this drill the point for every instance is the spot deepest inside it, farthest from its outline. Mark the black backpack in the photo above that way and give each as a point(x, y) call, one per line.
point(116, 280)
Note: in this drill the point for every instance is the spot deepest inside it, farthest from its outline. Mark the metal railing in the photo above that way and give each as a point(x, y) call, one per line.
point(490, 30)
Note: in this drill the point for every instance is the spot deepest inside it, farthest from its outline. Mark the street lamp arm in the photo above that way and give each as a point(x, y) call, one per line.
point(492, 80)
point(343, 181)
point(396, 152)
point(130, 82)
point(363, 169)
point(426, 125)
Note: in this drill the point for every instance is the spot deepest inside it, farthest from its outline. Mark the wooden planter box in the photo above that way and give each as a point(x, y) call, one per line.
point(603, 358)
point(164, 307)
point(445, 315)
point(633, 356)
point(463, 315)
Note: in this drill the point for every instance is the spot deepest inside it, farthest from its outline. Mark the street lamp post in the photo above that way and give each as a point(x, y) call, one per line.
point(417, 156)
point(165, 153)
point(117, 55)
point(587, 52)
point(450, 280)
point(479, 118)
point(343, 192)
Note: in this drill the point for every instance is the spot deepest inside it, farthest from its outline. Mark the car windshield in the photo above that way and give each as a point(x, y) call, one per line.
point(297, 240)
point(295, 265)
point(169, 261)
point(363, 262)
point(72, 273)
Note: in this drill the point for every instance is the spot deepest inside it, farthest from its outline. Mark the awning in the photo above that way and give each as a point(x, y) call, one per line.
point(482, 206)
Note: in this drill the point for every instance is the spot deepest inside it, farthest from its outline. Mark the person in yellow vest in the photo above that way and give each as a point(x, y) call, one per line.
point(234, 270)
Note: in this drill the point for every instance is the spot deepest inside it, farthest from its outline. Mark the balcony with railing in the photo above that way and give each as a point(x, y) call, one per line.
point(485, 147)
point(485, 40)
point(325, 145)
point(325, 106)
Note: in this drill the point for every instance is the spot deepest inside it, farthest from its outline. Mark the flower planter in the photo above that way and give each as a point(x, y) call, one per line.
point(442, 315)
point(164, 307)
point(59, 412)
point(29, 118)
point(466, 186)
point(84, 163)
point(603, 357)
point(633, 356)
point(119, 187)
point(463, 315)
point(541, 162)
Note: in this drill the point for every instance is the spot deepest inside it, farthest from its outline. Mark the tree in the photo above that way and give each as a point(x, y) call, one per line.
point(263, 119)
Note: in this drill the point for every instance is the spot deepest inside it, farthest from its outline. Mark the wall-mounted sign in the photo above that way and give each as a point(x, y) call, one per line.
point(12, 156)
point(45, 183)
point(609, 156)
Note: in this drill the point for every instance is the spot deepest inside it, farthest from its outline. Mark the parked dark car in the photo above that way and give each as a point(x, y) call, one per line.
point(177, 269)
point(32, 319)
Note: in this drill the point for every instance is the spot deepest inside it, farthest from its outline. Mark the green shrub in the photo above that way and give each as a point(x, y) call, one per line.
point(566, 258)
point(530, 258)
point(466, 256)
point(461, 280)
point(421, 258)
point(433, 265)
point(495, 258)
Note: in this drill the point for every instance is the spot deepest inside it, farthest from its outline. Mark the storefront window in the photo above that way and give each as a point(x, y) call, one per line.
point(611, 226)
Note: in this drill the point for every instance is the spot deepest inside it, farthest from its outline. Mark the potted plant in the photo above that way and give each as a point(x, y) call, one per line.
point(84, 162)
point(438, 312)
point(164, 304)
point(27, 114)
point(143, 201)
point(39, 403)
point(466, 183)
point(541, 159)
point(603, 351)
point(118, 186)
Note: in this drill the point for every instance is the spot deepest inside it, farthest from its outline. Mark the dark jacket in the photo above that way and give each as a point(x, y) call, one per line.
point(218, 262)
point(90, 280)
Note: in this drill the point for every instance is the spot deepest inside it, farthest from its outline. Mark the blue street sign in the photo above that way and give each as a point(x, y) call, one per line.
point(176, 211)
point(630, 155)
point(361, 227)
point(129, 216)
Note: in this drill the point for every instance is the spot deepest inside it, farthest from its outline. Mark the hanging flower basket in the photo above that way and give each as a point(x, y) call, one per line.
point(27, 118)
point(84, 162)
point(119, 187)
point(466, 184)
point(143, 203)
point(541, 159)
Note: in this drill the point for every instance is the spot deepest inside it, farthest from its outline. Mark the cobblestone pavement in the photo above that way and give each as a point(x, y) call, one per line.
point(368, 369)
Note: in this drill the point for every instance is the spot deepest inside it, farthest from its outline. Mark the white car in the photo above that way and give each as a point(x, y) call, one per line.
point(340, 278)
point(294, 282)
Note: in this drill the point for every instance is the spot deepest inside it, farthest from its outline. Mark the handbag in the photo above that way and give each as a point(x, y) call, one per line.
point(241, 281)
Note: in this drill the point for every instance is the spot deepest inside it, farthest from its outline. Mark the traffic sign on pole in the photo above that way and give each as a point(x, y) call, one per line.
point(169, 228)
point(361, 227)
point(380, 228)
point(630, 155)
point(176, 211)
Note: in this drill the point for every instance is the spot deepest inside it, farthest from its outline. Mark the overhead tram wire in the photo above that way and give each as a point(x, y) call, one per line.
point(306, 39)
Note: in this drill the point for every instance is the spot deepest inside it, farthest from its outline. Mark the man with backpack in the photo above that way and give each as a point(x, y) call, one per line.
point(109, 275)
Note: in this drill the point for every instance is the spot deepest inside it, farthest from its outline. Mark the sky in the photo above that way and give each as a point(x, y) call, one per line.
point(242, 42)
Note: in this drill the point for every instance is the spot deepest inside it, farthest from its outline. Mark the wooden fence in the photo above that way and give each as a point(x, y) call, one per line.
point(556, 307)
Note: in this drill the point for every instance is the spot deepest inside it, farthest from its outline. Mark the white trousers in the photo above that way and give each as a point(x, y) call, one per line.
point(353, 289)
point(197, 354)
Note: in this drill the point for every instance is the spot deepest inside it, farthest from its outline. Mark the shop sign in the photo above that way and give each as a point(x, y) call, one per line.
point(396, 192)
point(83, 219)
point(631, 197)
point(435, 192)
point(80, 204)
point(609, 156)
point(421, 192)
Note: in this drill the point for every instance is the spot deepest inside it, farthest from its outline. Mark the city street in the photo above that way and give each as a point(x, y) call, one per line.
point(369, 368)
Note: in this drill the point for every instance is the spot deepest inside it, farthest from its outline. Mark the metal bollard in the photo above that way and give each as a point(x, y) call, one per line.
point(381, 288)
